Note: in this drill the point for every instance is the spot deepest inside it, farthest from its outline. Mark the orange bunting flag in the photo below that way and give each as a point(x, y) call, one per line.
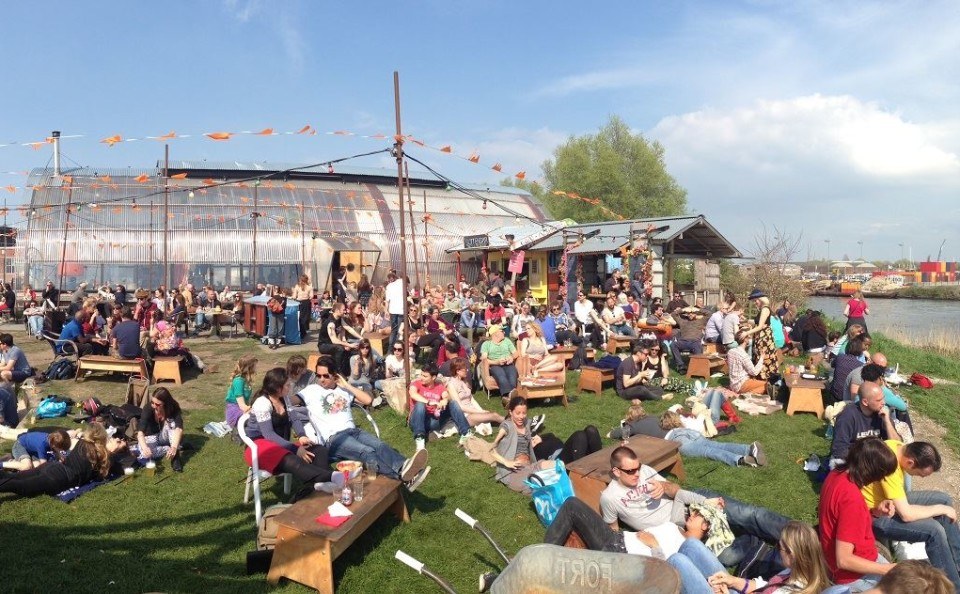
point(265, 132)
point(168, 136)
point(142, 178)
point(446, 149)
point(106, 179)
point(398, 138)
point(244, 199)
point(112, 140)
point(179, 176)
point(305, 129)
point(377, 136)
point(36, 145)
point(267, 184)
point(289, 186)
point(219, 135)
point(243, 185)
point(11, 189)
point(522, 175)
point(497, 167)
point(68, 179)
point(415, 141)
point(474, 158)
point(342, 133)
point(209, 181)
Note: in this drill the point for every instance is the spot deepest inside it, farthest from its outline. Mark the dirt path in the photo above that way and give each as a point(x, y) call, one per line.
point(948, 479)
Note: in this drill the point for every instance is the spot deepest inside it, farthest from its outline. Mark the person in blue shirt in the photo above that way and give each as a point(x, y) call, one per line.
point(14, 366)
point(86, 345)
point(37, 447)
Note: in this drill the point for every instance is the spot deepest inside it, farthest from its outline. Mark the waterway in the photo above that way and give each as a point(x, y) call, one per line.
point(922, 321)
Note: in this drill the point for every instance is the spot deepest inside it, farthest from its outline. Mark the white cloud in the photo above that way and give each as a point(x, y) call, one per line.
point(242, 10)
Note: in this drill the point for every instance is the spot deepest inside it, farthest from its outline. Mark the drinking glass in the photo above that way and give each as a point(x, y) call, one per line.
point(372, 470)
point(625, 433)
point(357, 486)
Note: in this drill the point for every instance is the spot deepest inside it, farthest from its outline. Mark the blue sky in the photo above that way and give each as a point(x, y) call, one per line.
point(831, 119)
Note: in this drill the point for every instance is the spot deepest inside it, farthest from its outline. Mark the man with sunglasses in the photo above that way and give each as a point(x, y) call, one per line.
point(328, 404)
point(640, 498)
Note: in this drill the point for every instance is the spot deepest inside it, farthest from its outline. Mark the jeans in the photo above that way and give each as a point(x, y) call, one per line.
point(867, 582)
point(679, 344)
point(624, 329)
point(693, 443)
point(939, 534)
point(751, 524)
point(275, 329)
point(421, 421)
point(198, 321)
point(339, 354)
point(362, 383)
point(36, 325)
point(396, 321)
point(714, 400)
point(695, 563)
point(576, 516)
point(647, 392)
point(505, 376)
point(356, 444)
point(8, 407)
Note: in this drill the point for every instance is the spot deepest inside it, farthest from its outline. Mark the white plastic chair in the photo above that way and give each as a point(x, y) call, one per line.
point(255, 474)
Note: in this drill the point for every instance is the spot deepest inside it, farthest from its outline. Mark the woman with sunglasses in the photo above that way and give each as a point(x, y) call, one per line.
point(657, 363)
point(363, 366)
point(160, 430)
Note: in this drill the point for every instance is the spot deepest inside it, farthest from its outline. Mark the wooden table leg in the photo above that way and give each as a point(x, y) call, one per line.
point(399, 509)
point(302, 558)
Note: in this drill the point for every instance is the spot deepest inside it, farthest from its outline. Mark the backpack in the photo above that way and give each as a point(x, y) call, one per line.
point(267, 531)
point(51, 407)
point(918, 379)
point(777, 327)
point(61, 369)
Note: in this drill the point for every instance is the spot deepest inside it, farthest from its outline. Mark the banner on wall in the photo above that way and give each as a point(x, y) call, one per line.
point(516, 262)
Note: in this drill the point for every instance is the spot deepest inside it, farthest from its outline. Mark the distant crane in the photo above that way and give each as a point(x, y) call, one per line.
point(940, 251)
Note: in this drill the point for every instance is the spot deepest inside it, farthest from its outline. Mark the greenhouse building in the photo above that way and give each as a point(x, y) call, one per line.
point(238, 224)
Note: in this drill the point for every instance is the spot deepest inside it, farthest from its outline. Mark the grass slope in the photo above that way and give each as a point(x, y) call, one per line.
point(189, 532)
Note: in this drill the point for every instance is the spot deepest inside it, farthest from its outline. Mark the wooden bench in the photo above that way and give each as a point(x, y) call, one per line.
point(564, 353)
point(620, 341)
point(591, 474)
point(592, 378)
point(805, 395)
point(167, 368)
point(705, 365)
point(533, 389)
point(107, 363)
point(312, 362)
point(306, 549)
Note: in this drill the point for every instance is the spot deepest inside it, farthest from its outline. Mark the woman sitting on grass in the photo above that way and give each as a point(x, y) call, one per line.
point(519, 453)
point(806, 571)
point(458, 388)
point(160, 430)
point(88, 461)
point(241, 387)
point(693, 443)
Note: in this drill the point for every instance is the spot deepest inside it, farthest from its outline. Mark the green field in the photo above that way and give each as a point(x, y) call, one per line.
point(190, 532)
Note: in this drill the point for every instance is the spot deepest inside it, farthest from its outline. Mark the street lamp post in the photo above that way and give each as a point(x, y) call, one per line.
point(827, 241)
point(861, 248)
point(901, 253)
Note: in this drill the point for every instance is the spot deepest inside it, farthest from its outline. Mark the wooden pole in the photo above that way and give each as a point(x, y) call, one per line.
point(398, 150)
point(256, 216)
point(413, 230)
point(166, 214)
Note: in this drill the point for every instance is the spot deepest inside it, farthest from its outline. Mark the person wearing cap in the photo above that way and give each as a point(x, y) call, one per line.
point(500, 354)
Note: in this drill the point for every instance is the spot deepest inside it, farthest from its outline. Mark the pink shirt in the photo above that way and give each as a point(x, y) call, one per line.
point(857, 308)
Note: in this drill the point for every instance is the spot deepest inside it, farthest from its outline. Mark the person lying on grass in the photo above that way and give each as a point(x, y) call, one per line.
point(90, 460)
point(33, 448)
point(693, 443)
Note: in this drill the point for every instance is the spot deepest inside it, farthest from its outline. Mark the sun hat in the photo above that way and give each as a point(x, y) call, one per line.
point(141, 294)
point(756, 294)
point(495, 328)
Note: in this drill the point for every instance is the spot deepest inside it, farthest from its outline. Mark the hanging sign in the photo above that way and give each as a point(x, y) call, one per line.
point(516, 262)
point(476, 241)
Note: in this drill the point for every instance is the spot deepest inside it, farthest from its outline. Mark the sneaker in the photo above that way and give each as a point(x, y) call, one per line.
point(414, 464)
point(436, 435)
point(668, 396)
point(486, 580)
point(748, 461)
point(757, 453)
point(450, 431)
point(176, 464)
point(421, 476)
point(421, 443)
point(337, 481)
point(464, 438)
point(537, 422)
point(377, 402)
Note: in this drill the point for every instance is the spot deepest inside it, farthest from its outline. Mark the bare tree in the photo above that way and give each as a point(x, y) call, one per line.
point(773, 249)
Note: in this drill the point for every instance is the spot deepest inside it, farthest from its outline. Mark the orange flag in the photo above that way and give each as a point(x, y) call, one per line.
point(112, 140)
point(106, 179)
point(244, 199)
point(11, 189)
point(209, 181)
point(219, 135)
point(168, 136)
point(142, 178)
point(446, 149)
point(521, 175)
point(179, 176)
point(342, 133)
point(497, 167)
point(265, 132)
point(243, 185)
point(474, 158)
point(377, 136)
point(305, 129)
point(68, 179)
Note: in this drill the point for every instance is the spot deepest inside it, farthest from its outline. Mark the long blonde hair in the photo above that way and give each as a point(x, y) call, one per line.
point(636, 411)
point(95, 437)
point(246, 367)
point(670, 420)
point(808, 566)
point(535, 326)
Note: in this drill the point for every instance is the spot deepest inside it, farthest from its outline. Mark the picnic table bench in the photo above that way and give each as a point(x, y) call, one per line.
point(107, 363)
point(591, 474)
point(305, 549)
point(592, 378)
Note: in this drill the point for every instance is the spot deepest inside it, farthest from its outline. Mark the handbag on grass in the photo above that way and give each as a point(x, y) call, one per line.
point(551, 487)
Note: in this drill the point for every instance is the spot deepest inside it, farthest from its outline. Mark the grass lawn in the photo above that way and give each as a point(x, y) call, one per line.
point(190, 532)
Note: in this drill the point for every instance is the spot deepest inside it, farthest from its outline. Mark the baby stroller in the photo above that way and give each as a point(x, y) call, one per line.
point(547, 568)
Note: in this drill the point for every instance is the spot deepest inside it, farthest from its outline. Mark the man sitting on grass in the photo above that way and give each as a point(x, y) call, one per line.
point(867, 418)
point(14, 366)
point(918, 516)
point(331, 424)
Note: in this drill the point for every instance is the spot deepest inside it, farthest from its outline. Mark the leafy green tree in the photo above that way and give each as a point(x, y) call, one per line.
point(625, 171)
